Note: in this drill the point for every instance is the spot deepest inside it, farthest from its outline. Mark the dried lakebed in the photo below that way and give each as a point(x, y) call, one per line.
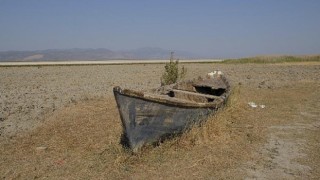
point(283, 136)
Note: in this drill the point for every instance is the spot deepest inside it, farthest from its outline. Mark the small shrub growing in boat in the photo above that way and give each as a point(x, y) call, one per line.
point(172, 72)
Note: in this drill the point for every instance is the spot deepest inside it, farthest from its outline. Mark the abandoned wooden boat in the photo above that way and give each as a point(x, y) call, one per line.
point(151, 116)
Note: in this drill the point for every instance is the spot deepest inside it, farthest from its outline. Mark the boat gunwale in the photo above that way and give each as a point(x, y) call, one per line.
point(170, 100)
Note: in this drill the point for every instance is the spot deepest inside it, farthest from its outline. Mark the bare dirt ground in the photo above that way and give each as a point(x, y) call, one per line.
point(62, 122)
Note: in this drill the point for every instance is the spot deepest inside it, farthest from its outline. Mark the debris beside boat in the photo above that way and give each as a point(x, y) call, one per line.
point(254, 105)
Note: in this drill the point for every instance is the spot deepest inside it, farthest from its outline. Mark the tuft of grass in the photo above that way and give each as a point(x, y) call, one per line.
point(273, 59)
point(172, 73)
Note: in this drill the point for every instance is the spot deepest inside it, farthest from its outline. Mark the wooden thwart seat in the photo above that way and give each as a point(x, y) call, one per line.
point(176, 91)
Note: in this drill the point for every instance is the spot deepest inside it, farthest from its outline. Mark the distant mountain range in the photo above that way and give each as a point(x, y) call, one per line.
point(92, 54)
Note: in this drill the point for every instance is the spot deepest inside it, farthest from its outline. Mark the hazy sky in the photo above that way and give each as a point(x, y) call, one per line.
point(216, 28)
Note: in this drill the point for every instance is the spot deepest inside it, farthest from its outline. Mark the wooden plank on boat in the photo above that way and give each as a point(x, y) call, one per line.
point(197, 94)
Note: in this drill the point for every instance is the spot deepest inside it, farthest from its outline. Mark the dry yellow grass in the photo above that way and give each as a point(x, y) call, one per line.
point(82, 140)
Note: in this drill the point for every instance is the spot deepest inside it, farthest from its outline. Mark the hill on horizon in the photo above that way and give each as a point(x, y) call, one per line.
point(92, 54)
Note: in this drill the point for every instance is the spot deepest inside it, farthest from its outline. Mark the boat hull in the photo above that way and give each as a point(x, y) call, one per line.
point(145, 121)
